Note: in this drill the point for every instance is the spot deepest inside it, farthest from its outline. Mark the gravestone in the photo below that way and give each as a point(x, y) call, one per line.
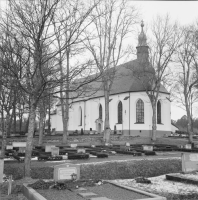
point(48, 148)
point(19, 144)
point(64, 171)
point(81, 150)
point(1, 170)
point(147, 147)
point(22, 149)
point(127, 144)
point(189, 162)
point(73, 145)
point(55, 151)
point(188, 146)
point(9, 147)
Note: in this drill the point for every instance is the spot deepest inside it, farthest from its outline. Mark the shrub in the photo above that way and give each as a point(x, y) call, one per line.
point(130, 169)
point(110, 170)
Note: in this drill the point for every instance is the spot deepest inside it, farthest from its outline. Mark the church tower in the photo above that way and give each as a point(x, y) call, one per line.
point(142, 48)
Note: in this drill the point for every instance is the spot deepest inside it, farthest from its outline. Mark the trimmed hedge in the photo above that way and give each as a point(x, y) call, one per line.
point(110, 170)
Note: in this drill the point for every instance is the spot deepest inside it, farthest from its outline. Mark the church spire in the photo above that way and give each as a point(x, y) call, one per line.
point(142, 48)
point(142, 37)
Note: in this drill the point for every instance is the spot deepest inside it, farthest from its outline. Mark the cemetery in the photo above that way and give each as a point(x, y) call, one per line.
point(96, 172)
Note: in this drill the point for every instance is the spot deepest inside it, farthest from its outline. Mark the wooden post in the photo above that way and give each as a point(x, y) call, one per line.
point(10, 185)
point(1, 169)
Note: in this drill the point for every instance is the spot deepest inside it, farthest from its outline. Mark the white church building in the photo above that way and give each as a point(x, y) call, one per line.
point(130, 110)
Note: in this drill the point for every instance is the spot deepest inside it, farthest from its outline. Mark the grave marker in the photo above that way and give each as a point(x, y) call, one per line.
point(19, 144)
point(9, 147)
point(81, 150)
point(55, 151)
point(147, 147)
point(63, 172)
point(189, 162)
point(22, 149)
point(127, 144)
point(188, 146)
point(73, 145)
point(48, 148)
point(1, 170)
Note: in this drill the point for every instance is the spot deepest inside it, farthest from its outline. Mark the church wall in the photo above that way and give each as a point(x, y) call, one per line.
point(113, 105)
point(92, 110)
point(90, 113)
point(56, 120)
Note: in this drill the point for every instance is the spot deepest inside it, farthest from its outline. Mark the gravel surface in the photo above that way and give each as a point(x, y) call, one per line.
point(115, 193)
point(53, 194)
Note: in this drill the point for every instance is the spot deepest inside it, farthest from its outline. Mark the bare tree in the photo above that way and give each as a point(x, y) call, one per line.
point(154, 69)
point(112, 22)
point(32, 43)
point(30, 22)
point(72, 19)
point(186, 78)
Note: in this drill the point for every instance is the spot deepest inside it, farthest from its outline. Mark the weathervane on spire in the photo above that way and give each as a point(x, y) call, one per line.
point(142, 23)
point(142, 36)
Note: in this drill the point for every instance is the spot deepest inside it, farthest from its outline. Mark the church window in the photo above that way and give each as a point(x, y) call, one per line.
point(159, 119)
point(100, 111)
point(80, 116)
point(140, 111)
point(120, 112)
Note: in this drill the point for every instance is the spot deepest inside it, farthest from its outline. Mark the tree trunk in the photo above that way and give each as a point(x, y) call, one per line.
point(41, 125)
point(66, 116)
point(27, 124)
point(154, 123)
point(4, 137)
point(9, 123)
point(28, 152)
point(107, 130)
point(49, 123)
point(189, 119)
point(14, 113)
point(20, 120)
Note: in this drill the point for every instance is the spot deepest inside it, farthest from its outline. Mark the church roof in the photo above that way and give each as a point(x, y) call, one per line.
point(132, 76)
point(124, 81)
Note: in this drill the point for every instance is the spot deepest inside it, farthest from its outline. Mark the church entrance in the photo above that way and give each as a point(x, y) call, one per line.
point(99, 124)
point(99, 128)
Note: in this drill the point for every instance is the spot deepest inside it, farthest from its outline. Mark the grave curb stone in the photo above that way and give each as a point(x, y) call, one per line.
point(150, 195)
point(31, 194)
point(87, 194)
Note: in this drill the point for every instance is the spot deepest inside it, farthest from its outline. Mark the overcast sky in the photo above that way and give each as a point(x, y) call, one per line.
point(185, 12)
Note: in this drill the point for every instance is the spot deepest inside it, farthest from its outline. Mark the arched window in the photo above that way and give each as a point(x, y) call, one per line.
point(140, 111)
point(120, 112)
point(100, 111)
point(159, 119)
point(80, 116)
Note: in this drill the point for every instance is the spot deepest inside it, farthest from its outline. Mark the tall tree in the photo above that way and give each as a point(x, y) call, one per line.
point(75, 13)
point(154, 67)
point(186, 79)
point(113, 21)
point(30, 22)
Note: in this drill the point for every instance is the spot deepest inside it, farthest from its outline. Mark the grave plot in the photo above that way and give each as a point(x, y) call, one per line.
point(189, 170)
